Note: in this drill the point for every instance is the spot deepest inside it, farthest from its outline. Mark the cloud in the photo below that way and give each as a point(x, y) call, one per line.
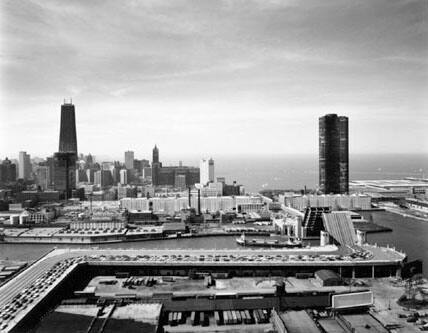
point(222, 61)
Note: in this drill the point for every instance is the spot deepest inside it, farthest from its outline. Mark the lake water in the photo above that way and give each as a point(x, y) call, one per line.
point(296, 171)
point(408, 234)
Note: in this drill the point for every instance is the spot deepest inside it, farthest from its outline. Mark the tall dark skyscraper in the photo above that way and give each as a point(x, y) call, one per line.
point(66, 157)
point(67, 134)
point(333, 154)
point(155, 157)
point(155, 166)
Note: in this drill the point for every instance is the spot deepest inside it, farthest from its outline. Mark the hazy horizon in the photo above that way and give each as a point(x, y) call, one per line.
point(213, 77)
point(258, 172)
point(175, 158)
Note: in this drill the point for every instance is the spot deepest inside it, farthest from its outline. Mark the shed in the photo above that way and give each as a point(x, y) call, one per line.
point(173, 227)
point(328, 278)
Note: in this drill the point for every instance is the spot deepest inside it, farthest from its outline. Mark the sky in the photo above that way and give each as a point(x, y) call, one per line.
point(213, 77)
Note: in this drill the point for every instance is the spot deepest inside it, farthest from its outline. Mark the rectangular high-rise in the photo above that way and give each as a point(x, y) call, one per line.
point(206, 171)
point(67, 133)
point(24, 167)
point(66, 157)
point(7, 171)
point(129, 160)
point(333, 154)
point(123, 177)
point(42, 177)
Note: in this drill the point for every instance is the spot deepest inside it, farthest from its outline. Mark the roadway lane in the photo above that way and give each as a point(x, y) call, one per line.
point(29, 276)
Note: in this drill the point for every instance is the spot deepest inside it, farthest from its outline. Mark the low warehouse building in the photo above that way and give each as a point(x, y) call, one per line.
point(328, 278)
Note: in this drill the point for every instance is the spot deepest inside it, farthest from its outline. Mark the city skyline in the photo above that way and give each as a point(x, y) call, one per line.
point(213, 72)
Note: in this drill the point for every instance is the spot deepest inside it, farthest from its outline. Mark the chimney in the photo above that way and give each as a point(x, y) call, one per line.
point(199, 202)
point(190, 198)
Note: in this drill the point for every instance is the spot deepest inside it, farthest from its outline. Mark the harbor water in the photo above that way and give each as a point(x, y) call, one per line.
point(409, 235)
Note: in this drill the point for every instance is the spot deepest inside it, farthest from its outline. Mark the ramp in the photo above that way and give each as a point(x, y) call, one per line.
point(339, 225)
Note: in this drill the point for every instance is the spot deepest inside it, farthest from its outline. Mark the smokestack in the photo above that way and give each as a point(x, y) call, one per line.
point(190, 198)
point(199, 202)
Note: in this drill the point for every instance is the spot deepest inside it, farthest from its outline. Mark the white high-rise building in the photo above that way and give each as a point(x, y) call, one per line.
point(90, 175)
point(124, 176)
point(206, 171)
point(24, 171)
point(129, 159)
point(98, 177)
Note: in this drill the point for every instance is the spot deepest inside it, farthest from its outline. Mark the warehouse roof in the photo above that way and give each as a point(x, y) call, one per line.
point(325, 274)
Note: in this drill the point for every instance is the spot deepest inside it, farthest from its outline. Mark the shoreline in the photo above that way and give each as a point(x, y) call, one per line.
point(401, 213)
point(370, 228)
point(214, 234)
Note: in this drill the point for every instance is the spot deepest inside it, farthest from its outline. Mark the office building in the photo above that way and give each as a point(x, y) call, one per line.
point(155, 155)
point(126, 192)
point(103, 178)
point(67, 134)
point(212, 190)
point(115, 172)
point(90, 175)
point(7, 171)
point(97, 178)
point(129, 160)
point(155, 166)
point(147, 172)
point(166, 176)
point(89, 161)
point(65, 173)
point(234, 189)
point(65, 159)
point(42, 177)
point(50, 163)
point(206, 171)
point(24, 168)
point(106, 178)
point(139, 165)
point(180, 182)
point(81, 176)
point(123, 177)
point(333, 154)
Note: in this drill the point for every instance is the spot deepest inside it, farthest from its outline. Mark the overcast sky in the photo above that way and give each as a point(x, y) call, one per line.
point(213, 77)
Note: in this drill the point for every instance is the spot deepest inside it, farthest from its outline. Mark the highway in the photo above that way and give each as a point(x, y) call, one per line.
point(20, 295)
point(26, 278)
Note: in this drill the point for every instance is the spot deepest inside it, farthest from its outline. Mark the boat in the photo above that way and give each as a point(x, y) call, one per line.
point(266, 243)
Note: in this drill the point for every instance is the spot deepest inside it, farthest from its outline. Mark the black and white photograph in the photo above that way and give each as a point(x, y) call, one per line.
point(213, 166)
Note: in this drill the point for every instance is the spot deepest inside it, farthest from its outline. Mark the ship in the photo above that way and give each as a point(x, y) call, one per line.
point(266, 243)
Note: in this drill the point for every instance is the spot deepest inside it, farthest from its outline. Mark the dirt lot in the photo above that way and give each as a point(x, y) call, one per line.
point(386, 293)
